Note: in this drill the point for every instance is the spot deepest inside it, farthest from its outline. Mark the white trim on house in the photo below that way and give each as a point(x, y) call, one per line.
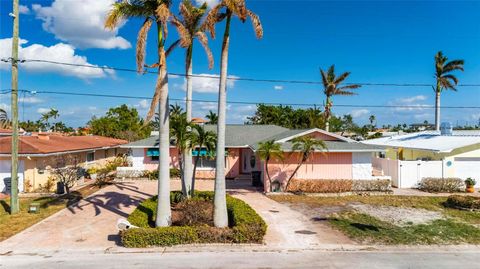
point(339, 137)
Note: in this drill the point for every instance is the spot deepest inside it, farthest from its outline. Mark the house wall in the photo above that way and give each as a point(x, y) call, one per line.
point(232, 163)
point(36, 169)
point(319, 166)
point(322, 136)
point(361, 165)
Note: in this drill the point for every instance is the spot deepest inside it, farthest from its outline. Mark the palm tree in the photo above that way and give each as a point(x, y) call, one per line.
point(304, 145)
point(212, 117)
point(152, 11)
point(45, 117)
point(175, 110)
point(53, 113)
point(372, 120)
point(201, 139)
point(331, 85)
point(225, 10)
point(180, 129)
point(445, 80)
point(268, 150)
point(189, 28)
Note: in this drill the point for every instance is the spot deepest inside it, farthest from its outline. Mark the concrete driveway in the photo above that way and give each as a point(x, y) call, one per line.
point(90, 225)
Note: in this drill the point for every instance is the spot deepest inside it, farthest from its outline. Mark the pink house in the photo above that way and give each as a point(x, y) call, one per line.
point(343, 159)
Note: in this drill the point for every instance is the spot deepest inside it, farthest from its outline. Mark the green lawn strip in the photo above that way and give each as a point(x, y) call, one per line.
point(13, 224)
point(367, 229)
point(428, 203)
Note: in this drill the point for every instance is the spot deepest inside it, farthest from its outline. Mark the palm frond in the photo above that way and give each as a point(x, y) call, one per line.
point(123, 10)
point(185, 37)
point(212, 18)
point(172, 47)
point(452, 78)
point(203, 39)
point(453, 65)
point(324, 78)
point(341, 92)
point(350, 86)
point(163, 14)
point(341, 78)
point(257, 25)
point(141, 44)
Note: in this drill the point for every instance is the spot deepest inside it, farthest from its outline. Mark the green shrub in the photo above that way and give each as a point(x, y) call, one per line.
point(245, 225)
point(470, 182)
point(320, 185)
point(382, 185)
point(463, 201)
point(153, 175)
point(431, 184)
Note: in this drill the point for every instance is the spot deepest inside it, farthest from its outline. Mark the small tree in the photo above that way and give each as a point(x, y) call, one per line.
point(66, 170)
point(268, 150)
point(304, 145)
point(201, 139)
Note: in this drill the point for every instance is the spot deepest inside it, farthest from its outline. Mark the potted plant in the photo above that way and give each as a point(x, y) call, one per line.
point(470, 184)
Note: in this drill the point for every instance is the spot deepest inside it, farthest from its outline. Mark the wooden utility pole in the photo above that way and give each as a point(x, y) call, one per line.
point(14, 205)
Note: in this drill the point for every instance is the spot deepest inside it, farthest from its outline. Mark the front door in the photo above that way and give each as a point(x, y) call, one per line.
point(249, 161)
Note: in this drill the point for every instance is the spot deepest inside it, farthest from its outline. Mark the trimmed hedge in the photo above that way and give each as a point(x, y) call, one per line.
point(245, 225)
point(463, 201)
point(338, 185)
point(432, 184)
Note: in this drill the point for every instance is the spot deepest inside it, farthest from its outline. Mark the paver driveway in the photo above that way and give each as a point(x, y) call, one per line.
point(90, 225)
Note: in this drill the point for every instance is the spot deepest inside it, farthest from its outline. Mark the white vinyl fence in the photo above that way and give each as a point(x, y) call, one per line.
point(407, 174)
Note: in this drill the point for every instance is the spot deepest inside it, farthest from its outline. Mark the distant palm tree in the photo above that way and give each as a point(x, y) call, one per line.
point(305, 146)
point(269, 150)
point(201, 139)
point(180, 130)
point(445, 80)
point(225, 10)
point(152, 11)
point(189, 28)
point(372, 120)
point(175, 110)
point(212, 117)
point(331, 87)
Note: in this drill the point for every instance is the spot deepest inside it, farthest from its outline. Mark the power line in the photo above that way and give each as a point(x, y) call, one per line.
point(244, 102)
point(232, 78)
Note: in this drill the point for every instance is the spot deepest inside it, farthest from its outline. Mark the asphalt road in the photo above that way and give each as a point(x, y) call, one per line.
point(300, 259)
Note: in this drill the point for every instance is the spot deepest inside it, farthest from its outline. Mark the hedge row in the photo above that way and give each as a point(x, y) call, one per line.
point(432, 184)
point(338, 185)
point(245, 225)
point(465, 202)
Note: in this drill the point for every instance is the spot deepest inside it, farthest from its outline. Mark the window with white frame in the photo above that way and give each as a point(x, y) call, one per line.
point(90, 157)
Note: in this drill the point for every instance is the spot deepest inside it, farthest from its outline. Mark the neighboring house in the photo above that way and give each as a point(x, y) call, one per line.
point(344, 159)
point(38, 153)
point(411, 157)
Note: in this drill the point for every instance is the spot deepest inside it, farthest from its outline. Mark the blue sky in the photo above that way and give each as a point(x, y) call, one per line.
point(378, 41)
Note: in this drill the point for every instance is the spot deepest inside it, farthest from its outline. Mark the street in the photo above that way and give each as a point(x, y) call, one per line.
point(245, 259)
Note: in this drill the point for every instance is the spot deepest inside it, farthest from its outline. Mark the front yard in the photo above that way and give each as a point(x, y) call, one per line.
point(390, 219)
point(13, 224)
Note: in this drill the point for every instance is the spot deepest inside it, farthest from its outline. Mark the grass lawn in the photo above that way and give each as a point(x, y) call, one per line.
point(13, 224)
point(458, 227)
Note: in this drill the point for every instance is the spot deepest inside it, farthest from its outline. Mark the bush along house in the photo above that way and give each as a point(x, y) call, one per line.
point(343, 159)
point(39, 153)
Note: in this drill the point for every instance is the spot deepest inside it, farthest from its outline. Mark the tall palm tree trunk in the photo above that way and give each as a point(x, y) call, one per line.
point(187, 154)
point(220, 216)
point(197, 158)
point(268, 175)
point(164, 214)
point(327, 114)
point(437, 107)
point(293, 174)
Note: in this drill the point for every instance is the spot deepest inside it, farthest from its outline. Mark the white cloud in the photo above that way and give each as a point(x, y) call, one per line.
point(408, 104)
point(80, 23)
point(23, 9)
point(30, 100)
point(207, 83)
point(412, 99)
point(210, 3)
point(43, 110)
point(278, 87)
point(59, 52)
point(144, 104)
point(359, 113)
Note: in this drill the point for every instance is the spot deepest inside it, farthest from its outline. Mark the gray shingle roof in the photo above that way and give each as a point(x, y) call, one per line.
point(236, 135)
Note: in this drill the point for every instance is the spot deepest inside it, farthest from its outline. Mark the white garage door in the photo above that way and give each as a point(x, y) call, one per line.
point(467, 167)
point(5, 170)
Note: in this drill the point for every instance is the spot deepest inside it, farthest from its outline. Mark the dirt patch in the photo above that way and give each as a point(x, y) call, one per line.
point(399, 216)
point(192, 213)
